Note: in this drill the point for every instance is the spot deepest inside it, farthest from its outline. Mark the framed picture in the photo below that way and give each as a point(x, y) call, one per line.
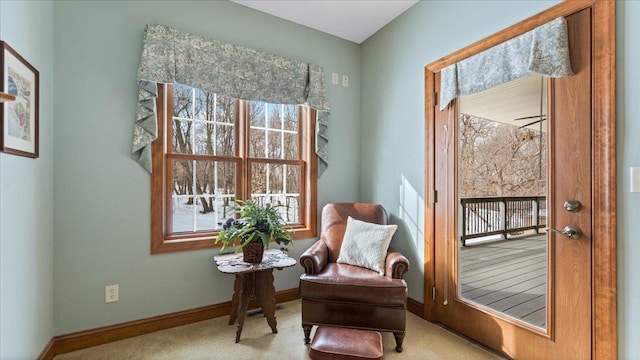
point(19, 118)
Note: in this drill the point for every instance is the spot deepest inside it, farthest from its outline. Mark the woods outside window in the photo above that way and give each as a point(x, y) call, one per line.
point(213, 150)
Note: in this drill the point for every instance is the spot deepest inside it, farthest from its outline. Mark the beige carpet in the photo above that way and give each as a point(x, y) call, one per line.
point(214, 339)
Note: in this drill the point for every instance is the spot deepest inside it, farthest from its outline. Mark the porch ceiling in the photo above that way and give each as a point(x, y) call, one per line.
point(506, 102)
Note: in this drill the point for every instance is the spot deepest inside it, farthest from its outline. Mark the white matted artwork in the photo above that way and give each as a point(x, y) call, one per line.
point(19, 118)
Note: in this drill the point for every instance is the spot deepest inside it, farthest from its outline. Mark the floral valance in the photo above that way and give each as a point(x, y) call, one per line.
point(543, 50)
point(170, 55)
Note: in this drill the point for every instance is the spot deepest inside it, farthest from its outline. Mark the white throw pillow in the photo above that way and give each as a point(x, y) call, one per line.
point(366, 244)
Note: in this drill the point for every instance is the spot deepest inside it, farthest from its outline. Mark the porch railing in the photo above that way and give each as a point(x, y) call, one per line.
point(488, 216)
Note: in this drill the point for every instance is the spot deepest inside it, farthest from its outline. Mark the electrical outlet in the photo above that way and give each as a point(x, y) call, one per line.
point(111, 293)
point(334, 78)
point(345, 81)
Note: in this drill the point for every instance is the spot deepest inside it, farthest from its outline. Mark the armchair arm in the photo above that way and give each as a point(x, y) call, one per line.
point(314, 259)
point(396, 264)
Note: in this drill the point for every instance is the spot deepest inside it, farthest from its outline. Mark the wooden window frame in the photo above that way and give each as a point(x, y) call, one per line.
point(162, 241)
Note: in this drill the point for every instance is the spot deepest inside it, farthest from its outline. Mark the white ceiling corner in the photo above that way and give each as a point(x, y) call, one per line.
point(353, 20)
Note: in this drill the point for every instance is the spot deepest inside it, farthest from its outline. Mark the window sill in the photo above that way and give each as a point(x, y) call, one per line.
point(191, 244)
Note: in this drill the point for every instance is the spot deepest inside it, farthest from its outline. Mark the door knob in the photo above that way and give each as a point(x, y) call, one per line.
point(572, 232)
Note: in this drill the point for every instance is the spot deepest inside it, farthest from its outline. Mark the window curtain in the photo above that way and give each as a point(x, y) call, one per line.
point(543, 50)
point(170, 55)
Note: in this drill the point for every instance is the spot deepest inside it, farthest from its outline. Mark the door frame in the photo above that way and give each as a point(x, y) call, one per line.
point(603, 245)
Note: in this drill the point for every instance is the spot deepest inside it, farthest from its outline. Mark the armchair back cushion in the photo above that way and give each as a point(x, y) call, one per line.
point(334, 222)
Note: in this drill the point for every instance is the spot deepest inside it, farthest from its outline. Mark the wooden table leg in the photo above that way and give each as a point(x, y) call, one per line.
point(258, 285)
point(246, 288)
point(235, 302)
point(266, 296)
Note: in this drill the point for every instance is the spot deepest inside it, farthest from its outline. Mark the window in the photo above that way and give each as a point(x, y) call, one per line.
point(213, 150)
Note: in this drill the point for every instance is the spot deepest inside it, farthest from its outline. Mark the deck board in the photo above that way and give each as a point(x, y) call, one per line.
point(509, 276)
point(514, 284)
point(498, 273)
point(537, 317)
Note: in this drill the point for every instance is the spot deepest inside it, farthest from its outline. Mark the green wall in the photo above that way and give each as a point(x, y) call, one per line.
point(392, 109)
point(102, 196)
point(26, 198)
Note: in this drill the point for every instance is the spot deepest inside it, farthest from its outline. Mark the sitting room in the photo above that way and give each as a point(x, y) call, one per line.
point(346, 144)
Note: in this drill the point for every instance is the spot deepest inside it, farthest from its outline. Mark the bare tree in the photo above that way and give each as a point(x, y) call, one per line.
point(498, 159)
point(181, 142)
point(204, 123)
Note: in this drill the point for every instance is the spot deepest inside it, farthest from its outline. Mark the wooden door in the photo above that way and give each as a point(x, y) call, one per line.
point(566, 328)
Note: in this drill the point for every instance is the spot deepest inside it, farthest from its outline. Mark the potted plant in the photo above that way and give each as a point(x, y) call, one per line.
point(252, 230)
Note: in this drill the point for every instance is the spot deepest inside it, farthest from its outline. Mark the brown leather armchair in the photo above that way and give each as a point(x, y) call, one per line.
point(350, 296)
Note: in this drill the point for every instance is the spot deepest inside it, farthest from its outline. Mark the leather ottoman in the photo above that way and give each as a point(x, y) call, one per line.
point(346, 344)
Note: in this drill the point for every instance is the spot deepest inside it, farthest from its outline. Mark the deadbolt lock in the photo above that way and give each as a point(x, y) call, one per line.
point(572, 205)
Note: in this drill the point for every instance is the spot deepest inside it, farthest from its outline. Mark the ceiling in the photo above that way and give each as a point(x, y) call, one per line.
point(353, 20)
point(357, 20)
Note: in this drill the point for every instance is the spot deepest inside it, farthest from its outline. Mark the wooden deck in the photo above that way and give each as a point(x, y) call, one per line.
point(509, 276)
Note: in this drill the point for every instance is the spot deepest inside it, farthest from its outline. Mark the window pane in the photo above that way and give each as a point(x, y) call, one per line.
point(291, 117)
point(275, 144)
point(225, 190)
point(282, 191)
point(204, 136)
point(291, 146)
point(257, 144)
point(225, 139)
point(256, 113)
point(182, 199)
point(293, 179)
point(182, 141)
point(291, 194)
point(225, 184)
point(204, 105)
point(275, 113)
point(182, 214)
point(276, 178)
point(290, 209)
point(214, 189)
point(182, 101)
point(206, 218)
point(225, 109)
point(258, 180)
point(182, 177)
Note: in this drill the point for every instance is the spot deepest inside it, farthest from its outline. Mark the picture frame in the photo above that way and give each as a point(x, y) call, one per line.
point(19, 127)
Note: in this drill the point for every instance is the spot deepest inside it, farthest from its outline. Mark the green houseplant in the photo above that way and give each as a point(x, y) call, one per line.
point(252, 230)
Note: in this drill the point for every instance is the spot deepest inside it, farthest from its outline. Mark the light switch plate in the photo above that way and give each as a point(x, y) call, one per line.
point(635, 179)
point(345, 81)
point(334, 78)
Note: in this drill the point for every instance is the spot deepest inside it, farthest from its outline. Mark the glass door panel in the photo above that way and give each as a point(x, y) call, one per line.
point(502, 162)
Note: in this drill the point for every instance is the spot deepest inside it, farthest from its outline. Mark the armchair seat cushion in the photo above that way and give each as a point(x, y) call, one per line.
point(353, 284)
